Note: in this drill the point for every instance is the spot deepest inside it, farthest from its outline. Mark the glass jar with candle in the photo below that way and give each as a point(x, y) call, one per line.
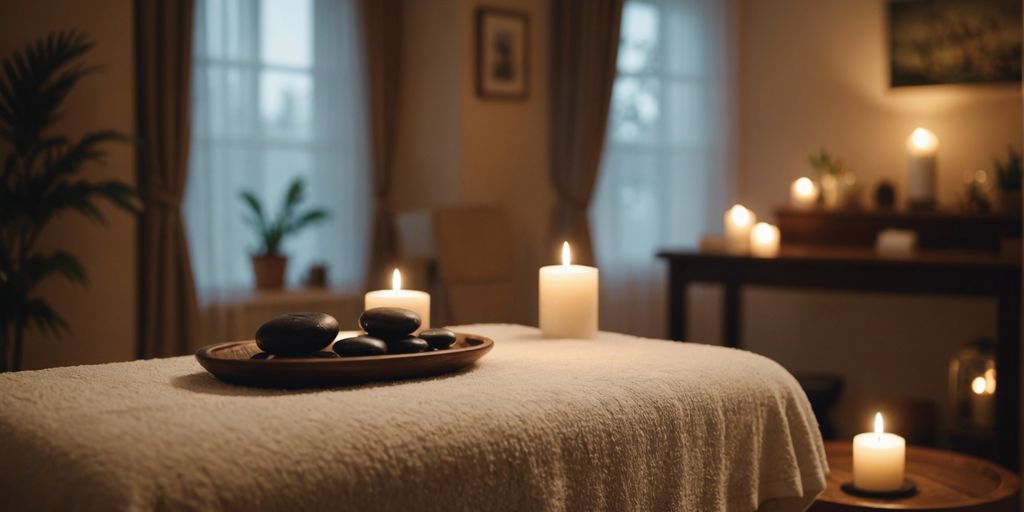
point(972, 386)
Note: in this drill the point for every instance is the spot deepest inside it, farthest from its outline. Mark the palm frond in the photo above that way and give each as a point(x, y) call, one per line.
point(307, 218)
point(34, 83)
point(40, 314)
point(38, 266)
point(254, 205)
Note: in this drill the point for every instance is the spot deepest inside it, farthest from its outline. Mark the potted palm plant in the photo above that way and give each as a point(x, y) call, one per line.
point(269, 263)
point(42, 179)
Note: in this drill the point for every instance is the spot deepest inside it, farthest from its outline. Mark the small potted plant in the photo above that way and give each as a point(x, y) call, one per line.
point(269, 263)
point(1008, 181)
point(829, 170)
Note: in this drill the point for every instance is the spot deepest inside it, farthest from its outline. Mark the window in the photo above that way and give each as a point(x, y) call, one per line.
point(277, 94)
point(665, 167)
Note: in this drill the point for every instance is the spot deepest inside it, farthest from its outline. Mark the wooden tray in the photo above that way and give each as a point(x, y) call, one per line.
point(945, 481)
point(231, 362)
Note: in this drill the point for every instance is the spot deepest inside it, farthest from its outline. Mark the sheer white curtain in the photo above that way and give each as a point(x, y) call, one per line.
point(667, 163)
point(278, 94)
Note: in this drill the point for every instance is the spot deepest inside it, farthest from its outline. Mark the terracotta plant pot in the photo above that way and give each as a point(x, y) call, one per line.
point(269, 270)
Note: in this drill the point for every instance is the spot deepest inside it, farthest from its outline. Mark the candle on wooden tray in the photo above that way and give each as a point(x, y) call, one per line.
point(568, 299)
point(738, 222)
point(413, 300)
point(803, 193)
point(764, 240)
point(922, 148)
point(878, 459)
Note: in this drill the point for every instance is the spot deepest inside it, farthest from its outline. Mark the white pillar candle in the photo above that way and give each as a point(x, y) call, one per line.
point(803, 193)
point(738, 222)
point(416, 301)
point(878, 460)
point(568, 299)
point(764, 240)
point(922, 148)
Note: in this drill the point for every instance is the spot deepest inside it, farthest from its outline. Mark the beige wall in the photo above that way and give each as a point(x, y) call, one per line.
point(814, 73)
point(103, 315)
point(454, 147)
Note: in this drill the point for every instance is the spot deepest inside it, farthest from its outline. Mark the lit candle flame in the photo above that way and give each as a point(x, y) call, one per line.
point(396, 280)
point(740, 215)
point(805, 187)
point(565, 253)
point(763, 232)
point(878, 424)
point(990, 380)
point(978, 385)
point(923, 139)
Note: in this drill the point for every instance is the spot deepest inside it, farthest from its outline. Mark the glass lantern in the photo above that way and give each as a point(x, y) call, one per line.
point(972, 385)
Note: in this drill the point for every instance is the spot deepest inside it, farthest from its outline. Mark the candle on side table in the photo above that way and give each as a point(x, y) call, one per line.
point(568, 299)
point(413, 300)
point(764, 240)
point(922, 151)
point(738, 222)
point(983, 391)
point(803, 193)
point(878, 460)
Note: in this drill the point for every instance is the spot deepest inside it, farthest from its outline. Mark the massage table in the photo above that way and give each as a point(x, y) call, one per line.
point(613, 423)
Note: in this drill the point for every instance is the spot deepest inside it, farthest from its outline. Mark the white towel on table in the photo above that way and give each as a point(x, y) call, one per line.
point(616, 423)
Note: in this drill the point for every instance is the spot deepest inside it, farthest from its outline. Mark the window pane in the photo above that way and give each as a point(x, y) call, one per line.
point(635, 109)
point(287, 32)
point(639, 37)
point(286, 104)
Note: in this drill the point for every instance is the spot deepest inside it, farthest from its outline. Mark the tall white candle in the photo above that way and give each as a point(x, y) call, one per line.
point(764, 240)
point(738, 222)
point(922, 151)
point(803, 193)
point(568, 299)
point(413, 300)
point(878, 459)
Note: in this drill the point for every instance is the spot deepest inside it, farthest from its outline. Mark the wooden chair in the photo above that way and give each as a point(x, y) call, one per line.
point(475, 263)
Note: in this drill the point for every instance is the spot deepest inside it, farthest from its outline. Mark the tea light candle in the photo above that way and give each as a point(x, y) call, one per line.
point(413, 300)
point(803, 193)
point(922, 149)
point(738, 222)
point(764, 240)
point(878, 460)
point(568, 299)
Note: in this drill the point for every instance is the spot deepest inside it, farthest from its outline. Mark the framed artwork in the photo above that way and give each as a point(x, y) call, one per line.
point(502, 60)
point(954, 41)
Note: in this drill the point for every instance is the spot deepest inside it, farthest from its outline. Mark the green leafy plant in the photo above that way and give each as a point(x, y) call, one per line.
point(824, 164)
point(287, 222)
point(41, 178)
point(1008, 172)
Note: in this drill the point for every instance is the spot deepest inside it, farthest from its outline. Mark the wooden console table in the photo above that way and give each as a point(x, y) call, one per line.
point(859, 269)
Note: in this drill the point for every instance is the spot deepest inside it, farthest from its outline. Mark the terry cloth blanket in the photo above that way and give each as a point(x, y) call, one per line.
point(617, 423)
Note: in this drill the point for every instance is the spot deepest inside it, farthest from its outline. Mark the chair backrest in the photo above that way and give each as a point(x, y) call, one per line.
point(475, 263)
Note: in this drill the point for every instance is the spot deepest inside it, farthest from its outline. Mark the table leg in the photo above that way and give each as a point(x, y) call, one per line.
point(677, 312)
point(1008, 388)
point(731, 315)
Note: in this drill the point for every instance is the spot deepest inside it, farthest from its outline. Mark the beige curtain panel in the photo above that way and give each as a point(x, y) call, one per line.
point(167, 309)
point(382, 30)
point(584, 45)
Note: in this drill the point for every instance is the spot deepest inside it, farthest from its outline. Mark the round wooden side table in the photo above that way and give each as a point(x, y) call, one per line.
point(945, 481)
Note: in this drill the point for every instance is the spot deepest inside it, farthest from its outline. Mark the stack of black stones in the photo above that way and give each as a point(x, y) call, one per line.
point(388, 331)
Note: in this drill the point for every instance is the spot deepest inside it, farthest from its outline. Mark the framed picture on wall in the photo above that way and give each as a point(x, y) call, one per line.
point(954, 41)
point(502, 47)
